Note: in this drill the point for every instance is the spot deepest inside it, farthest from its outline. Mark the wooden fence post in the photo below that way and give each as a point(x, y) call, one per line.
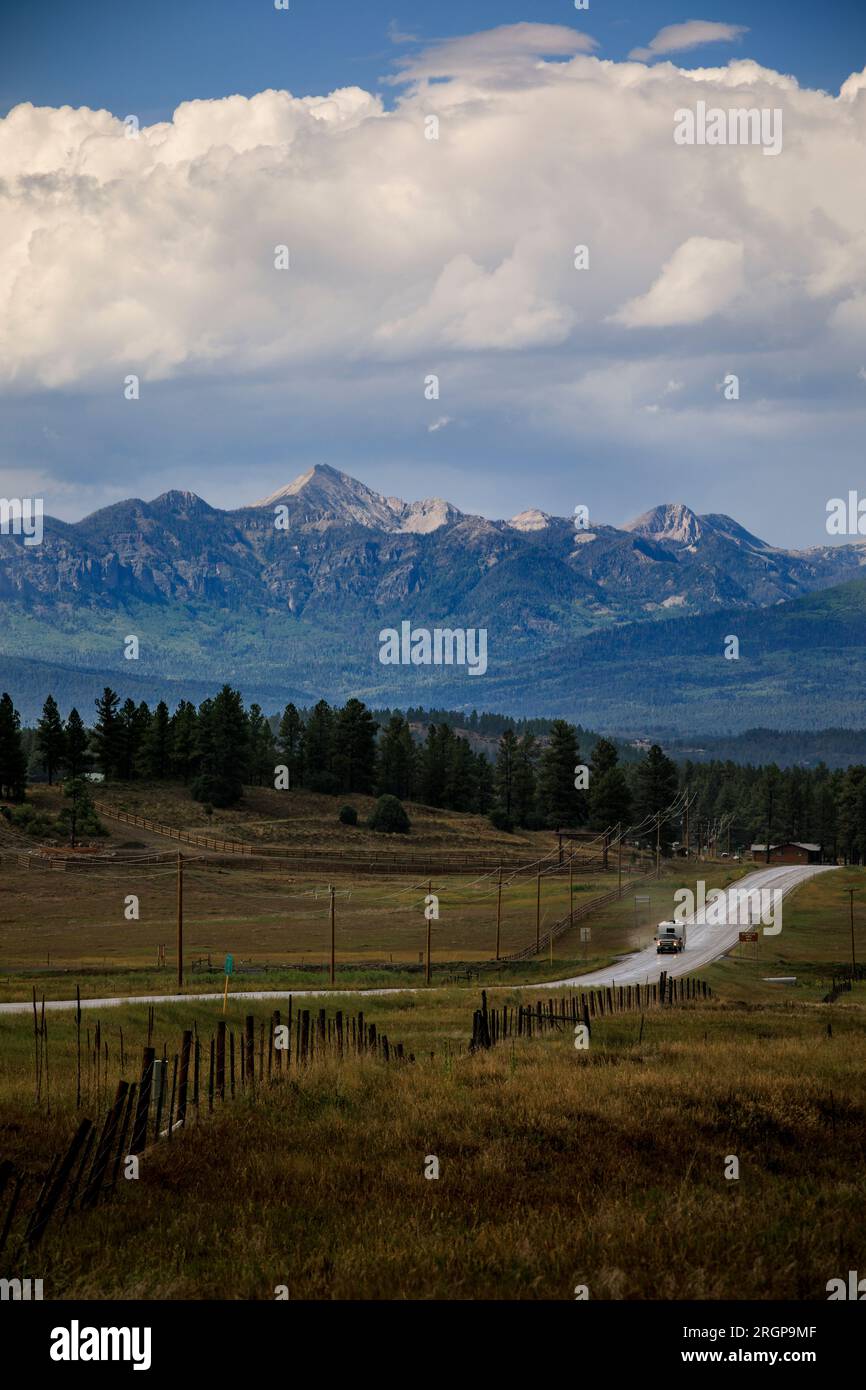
point(221, 1059)
point(104, 1148)
point(121, 1143)
point(43, 1215)
point(142, 1109)
point(183, 1083)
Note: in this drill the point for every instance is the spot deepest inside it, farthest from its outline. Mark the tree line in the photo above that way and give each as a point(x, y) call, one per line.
point(811, 805)
point(220, 746)
point(533, 781)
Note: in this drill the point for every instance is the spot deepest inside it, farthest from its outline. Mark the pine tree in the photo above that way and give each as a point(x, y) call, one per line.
point(506, 758)
point(156, 744)
point(50, 738)
point(604, 758)
point(396, 770)
point(609, 795)
point(848, 813)
point(561, 803)
point(355, 747)
point(524, 779)
point(483, 784)
point(13, 762)
point(290, 743)
point(184, 740)
point(205, 746)
point(824, 823)
point(460, 782)
point(133, 722)
point(230, 736)
point(434, 759)
point(263, 749)
point(108, 734)
point(76, 745)
point(80, 815)
point(656, 788)
point(319, 749)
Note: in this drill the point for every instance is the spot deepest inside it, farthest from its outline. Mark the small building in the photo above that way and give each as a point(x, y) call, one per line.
point(791, 852)
point(643, 745)
point(94, 776)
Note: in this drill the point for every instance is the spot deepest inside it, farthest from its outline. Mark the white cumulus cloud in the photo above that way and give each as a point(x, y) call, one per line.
point(455, 256)
point(703, 277)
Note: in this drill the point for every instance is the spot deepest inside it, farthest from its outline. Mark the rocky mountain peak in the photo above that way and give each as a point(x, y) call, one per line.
point(324, 491)
point(530, 520)
point(672, 521)
point(178, 500)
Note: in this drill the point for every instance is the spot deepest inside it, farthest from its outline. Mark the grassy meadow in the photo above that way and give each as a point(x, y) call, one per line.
point(557, 1167)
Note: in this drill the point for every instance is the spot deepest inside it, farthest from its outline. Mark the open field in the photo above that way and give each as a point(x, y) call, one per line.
point(557, 1167)
point(297, 821)
point(52, 924)
point(59, 930)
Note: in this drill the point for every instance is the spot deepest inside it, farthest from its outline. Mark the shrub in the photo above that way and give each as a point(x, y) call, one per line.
point(500, 819)
point(216, 791)
point(32, 822)
point(389, 817)
point(348, 815)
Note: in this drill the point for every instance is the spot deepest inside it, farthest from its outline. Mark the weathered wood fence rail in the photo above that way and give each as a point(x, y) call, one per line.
point(376, 861)
point(493, 1025)
point(168, 1094)
point(185, 837)
point(577, 914)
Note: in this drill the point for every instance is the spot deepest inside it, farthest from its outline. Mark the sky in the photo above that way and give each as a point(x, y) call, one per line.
point(154, 158)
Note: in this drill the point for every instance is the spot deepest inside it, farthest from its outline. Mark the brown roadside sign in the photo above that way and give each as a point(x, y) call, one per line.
point(748, 936)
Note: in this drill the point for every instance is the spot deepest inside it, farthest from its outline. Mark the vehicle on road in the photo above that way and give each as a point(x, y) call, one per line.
point(670, 938)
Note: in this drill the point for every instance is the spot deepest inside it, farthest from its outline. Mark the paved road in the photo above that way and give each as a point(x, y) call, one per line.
point(705, 942)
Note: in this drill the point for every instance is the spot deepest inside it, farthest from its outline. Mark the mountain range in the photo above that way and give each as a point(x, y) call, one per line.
point(621, 628)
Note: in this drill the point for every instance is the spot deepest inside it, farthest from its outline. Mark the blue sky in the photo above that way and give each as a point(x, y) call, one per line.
point(411, 257)
point(149, 57)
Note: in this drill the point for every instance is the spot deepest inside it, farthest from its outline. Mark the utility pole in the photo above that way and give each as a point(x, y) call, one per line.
point(498, 911)
point(853, 959)
point(333, 931)
point(686, 827)
point(659, 845)
point(179, 919)
point(571, 892)
point(429, 911)
point(619, 857)
point(538, 910)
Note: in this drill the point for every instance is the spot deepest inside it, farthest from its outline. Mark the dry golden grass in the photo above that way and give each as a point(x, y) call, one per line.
point(556, 1169)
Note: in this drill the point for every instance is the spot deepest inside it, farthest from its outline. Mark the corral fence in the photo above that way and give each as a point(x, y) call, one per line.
point(372, 861)
point(575, 915)
point(170, 1094)
point(185, 837)
point(556, 1014)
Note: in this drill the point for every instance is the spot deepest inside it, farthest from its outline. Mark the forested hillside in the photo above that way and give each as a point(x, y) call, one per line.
point(549, 777)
